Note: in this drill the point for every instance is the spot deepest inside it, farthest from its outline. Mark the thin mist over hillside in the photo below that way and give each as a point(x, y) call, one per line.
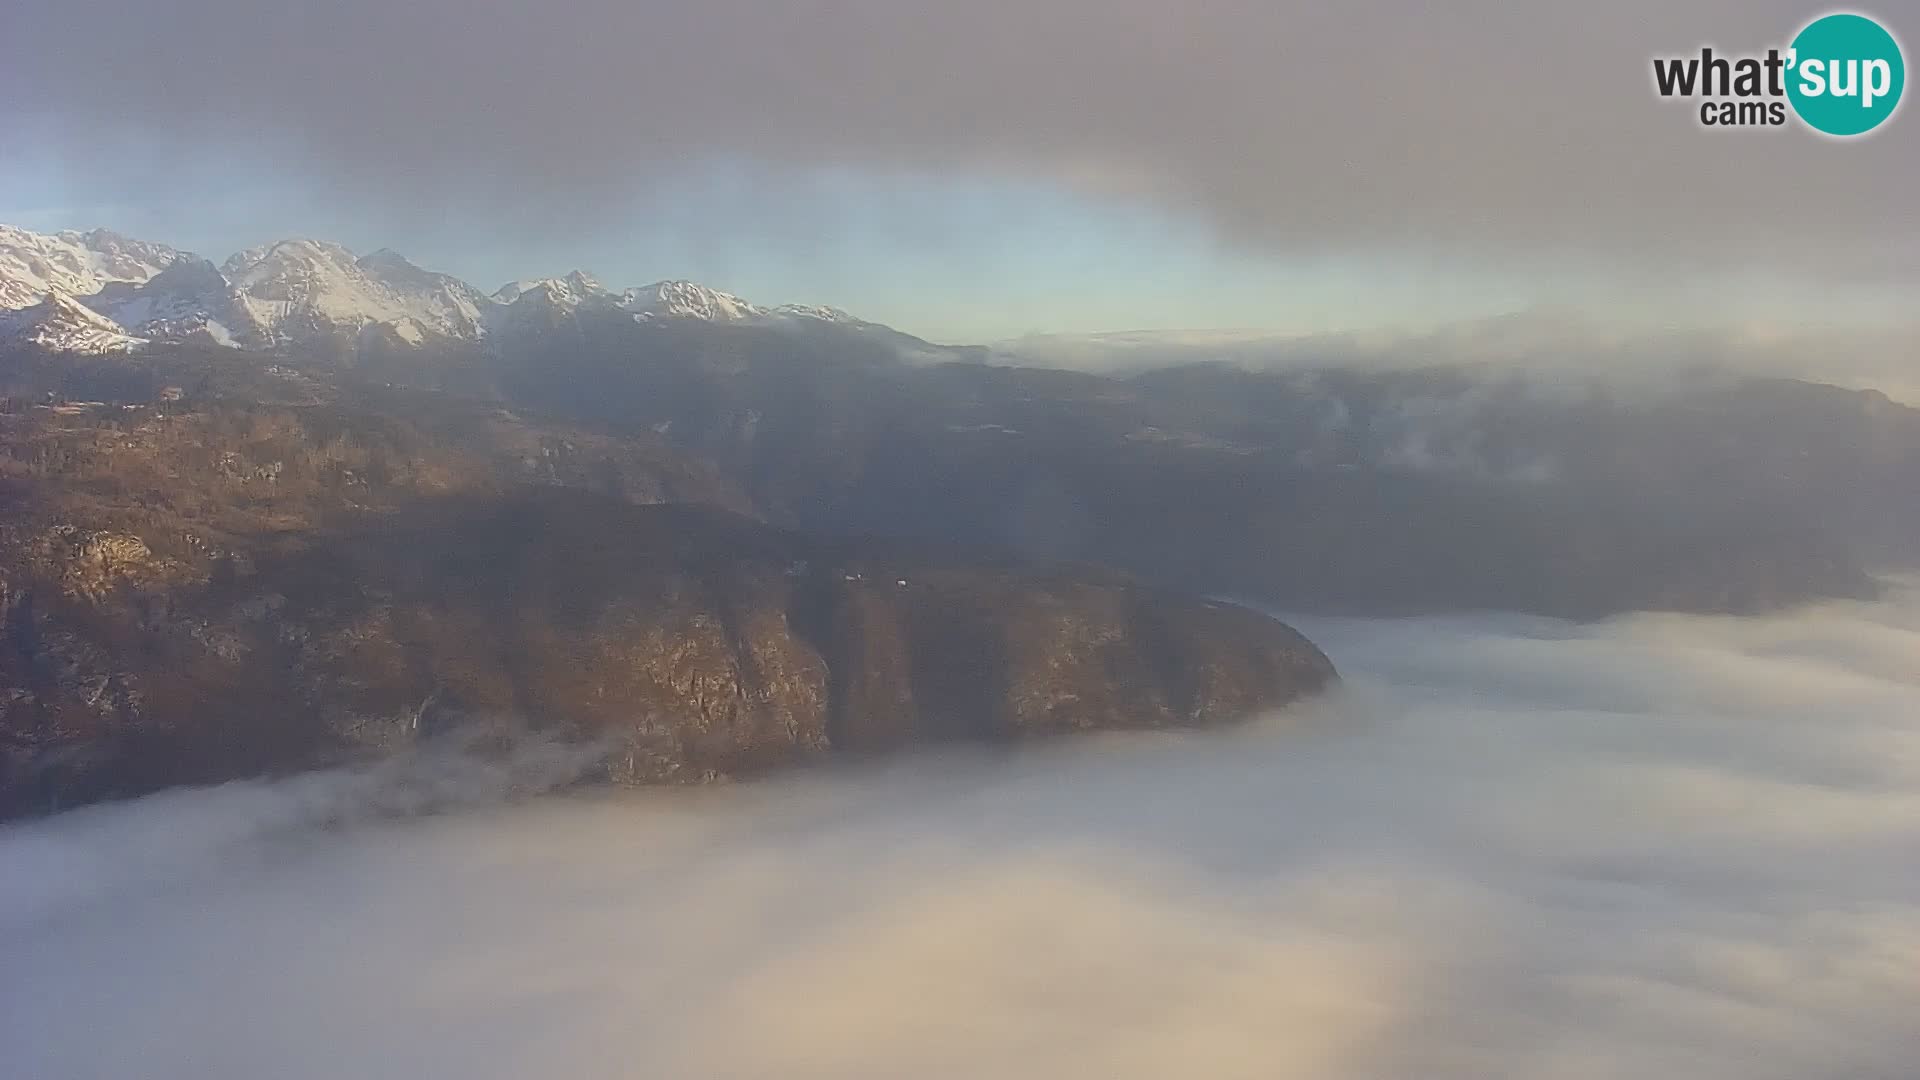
point(1655, 845)
point(1545, 346)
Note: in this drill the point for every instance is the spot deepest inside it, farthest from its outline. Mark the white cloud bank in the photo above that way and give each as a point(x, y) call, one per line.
point(1658, 846)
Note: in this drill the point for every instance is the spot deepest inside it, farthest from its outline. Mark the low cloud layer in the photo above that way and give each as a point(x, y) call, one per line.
point(1527, 135)
point(1662, 846)
point(1540, 344)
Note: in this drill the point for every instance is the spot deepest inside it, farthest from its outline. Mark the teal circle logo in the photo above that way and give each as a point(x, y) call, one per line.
point(1845, 74)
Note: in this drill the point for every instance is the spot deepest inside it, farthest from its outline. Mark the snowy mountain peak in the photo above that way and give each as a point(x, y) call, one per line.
point(567, 292)
point(123, 258)
point(100, 291)
point(817, 312)
point(300, 288)
point(287, 261)
point(660, 300)
point(75, 263)
point(686, 300)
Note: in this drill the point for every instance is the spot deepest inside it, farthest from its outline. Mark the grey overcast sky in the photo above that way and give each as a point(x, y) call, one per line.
point(983, 168)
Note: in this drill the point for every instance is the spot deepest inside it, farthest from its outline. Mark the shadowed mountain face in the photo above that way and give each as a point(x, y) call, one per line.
point(1410, 492)
point(1334, 491)
point(200, 590)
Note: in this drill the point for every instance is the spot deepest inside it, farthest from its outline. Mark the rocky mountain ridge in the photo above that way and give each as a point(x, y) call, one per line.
point(32, 265)
point(302, 292)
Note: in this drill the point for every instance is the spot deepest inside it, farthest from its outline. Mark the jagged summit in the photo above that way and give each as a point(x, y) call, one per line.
point(300, 290)
point(570, 291)
point(686, 300)
point(817, 312)
point(75, 263)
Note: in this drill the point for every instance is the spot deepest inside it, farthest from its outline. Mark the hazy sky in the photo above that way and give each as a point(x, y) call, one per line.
point(981, 169)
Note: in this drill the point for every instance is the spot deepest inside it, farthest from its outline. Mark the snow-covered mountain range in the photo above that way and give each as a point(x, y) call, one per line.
point(32, 265)
point(100, 292)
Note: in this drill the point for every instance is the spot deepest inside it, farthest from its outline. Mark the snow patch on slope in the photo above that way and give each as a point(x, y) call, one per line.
point(686, 300)
point(190, 299)
point(299, 291)
point(63, 324)
point(75, 263)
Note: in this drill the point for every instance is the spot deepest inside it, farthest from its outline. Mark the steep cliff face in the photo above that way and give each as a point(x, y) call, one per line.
point(684, 641)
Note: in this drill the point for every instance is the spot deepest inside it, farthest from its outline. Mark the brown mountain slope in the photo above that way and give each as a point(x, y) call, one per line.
point(190, 594)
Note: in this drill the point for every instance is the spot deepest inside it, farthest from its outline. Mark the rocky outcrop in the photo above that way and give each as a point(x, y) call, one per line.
point(685, 642)
point(93, 564)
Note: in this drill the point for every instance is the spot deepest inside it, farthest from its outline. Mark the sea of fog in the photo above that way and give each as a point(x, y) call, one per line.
point(1655, 846)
